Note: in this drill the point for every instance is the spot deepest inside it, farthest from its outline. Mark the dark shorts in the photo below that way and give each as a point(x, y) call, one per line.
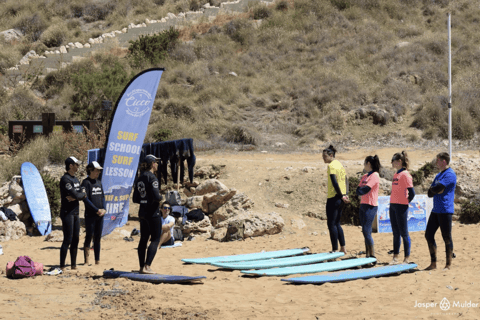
point(170, 242)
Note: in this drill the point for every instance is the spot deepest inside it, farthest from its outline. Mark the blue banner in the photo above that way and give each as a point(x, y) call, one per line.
point(418, 212)
point(124, 144)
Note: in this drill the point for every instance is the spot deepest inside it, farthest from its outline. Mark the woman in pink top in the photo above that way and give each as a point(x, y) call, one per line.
point(402, 194)
point(368, 190)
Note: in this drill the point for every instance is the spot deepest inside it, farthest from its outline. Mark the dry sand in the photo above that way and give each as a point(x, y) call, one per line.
point(266, 179)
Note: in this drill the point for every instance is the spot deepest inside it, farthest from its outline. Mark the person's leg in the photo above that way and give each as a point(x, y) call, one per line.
point(75, 241)
point(361, 217)
point(332, 228)
point(142, 244)
point(156, 232)
point(341, 237)
point(97, 235)
point(165, 238)
point(396, 233)
point(445, 221)
point(89, 227)
point(402, 222)
point(369, 216)
point(67, 228)
point(432, 227)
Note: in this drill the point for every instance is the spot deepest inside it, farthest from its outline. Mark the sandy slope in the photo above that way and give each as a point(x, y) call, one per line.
point(84, 294)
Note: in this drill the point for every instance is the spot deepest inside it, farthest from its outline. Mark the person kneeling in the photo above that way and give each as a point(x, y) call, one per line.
point(167, 225)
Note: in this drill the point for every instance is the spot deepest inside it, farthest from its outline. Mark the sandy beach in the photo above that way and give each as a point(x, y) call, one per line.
point(85, 294)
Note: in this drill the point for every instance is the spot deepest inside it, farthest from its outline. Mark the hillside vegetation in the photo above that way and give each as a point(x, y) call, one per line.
point(299, 72)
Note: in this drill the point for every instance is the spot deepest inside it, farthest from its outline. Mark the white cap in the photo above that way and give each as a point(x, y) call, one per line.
point(97, 165)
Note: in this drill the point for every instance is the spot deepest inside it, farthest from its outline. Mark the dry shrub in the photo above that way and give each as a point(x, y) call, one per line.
point(242, 134)
point(54, 36)
point(31, 25)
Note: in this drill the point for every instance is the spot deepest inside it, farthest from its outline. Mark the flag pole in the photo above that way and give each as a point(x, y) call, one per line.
point(449, 86)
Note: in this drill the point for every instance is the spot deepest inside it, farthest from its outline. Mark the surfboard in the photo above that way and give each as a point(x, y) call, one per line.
point(282, 262)
point(353, 274)
point(36, 198)
point(248, 257)
point(312, 268)
point(153, 278)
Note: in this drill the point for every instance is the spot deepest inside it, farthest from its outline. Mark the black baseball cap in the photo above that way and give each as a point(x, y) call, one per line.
point(151, 158)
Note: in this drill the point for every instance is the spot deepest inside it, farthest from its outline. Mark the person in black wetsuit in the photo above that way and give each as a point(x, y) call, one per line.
point(337, 195)
point(70, 192)
point(147, 193)
point(94, 211)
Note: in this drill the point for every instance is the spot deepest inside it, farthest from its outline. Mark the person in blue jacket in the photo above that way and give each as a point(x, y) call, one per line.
point(442, 190)
point(94, 211)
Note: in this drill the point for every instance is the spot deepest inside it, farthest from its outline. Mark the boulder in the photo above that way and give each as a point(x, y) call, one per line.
point(256, 224)
point(12, 35)
point(298, 223)
point(15, 190)
point(117, 234)
point(200, 228)
point(238, 204)
point(12, 230)
point(210, 186)
point(55, 236)
point(212, 201)
point(194, 202)
point(207, 172)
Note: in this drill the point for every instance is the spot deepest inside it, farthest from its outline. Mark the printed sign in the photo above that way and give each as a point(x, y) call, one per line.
point(57, 128)
point(124, 144)
point(17, 128)
point(78, 129)
point(37, 128)
point(418, 213)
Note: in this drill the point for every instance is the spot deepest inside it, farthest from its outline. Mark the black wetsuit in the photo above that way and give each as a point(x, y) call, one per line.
point(94, 201)
point(148, 193)
point(69, 210)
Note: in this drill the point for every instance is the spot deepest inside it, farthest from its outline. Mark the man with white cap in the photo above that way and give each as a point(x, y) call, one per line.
point(70, 192)
point(146, 192)
point(94, 210)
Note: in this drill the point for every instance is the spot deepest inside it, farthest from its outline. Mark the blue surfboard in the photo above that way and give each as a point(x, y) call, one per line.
point(153, 278)
point(282, 262)
point(353, 274)
point(248, 257)
point(36, 198)
point(312, 268)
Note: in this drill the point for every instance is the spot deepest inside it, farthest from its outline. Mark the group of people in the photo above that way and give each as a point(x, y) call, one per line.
point(156, 223)
point(442, 190)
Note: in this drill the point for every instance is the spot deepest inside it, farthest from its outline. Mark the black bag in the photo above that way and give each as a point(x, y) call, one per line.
point(195, 215)
point(12, 216)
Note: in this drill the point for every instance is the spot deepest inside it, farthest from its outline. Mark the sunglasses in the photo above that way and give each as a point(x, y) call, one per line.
point(166, 208)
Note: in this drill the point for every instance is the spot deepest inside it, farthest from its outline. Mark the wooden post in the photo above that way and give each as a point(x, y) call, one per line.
point(178, 175)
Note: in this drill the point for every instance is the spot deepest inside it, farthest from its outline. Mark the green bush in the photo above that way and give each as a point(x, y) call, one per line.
point(419, 175)
point(152, 49)
point(94, 87)
point(261, 12)
point(350, 210)
point(162, 135)
point(54, 36)
point(470, 212)
point(52, 186)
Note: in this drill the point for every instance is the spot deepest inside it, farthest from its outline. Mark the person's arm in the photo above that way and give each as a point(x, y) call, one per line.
point(362, 190)
point(335, 185)
point(411, 194)
point(89, 205)
point(167, 226)
point(78, 195)
point(157, 197)
point(437, 189)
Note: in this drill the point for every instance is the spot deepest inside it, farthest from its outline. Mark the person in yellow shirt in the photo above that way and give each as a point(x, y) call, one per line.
point(336, 197)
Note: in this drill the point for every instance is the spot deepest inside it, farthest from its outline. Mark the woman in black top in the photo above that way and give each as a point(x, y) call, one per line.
point(147, 193)
point(94, 211)
point(71, 193)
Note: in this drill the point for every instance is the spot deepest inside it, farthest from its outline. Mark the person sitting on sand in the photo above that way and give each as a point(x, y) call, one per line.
point(402, 194)
point(70, 194)
point(368, 190)
point(148, 195)
point(94, 211)
point(167, 225)
point(443, 192)
point(337, 195)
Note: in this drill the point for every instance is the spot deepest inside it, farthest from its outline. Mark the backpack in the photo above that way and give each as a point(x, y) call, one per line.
point(177, 234)
point(195, 215)
point(173, 198)
point(180, 212)
point(23, 267)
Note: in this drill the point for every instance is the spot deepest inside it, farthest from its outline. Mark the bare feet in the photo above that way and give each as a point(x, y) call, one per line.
point(447, 267)
point(342, 249)
point(432, 266)
point(406, 261)
point(146, 270)
point(394, 261)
